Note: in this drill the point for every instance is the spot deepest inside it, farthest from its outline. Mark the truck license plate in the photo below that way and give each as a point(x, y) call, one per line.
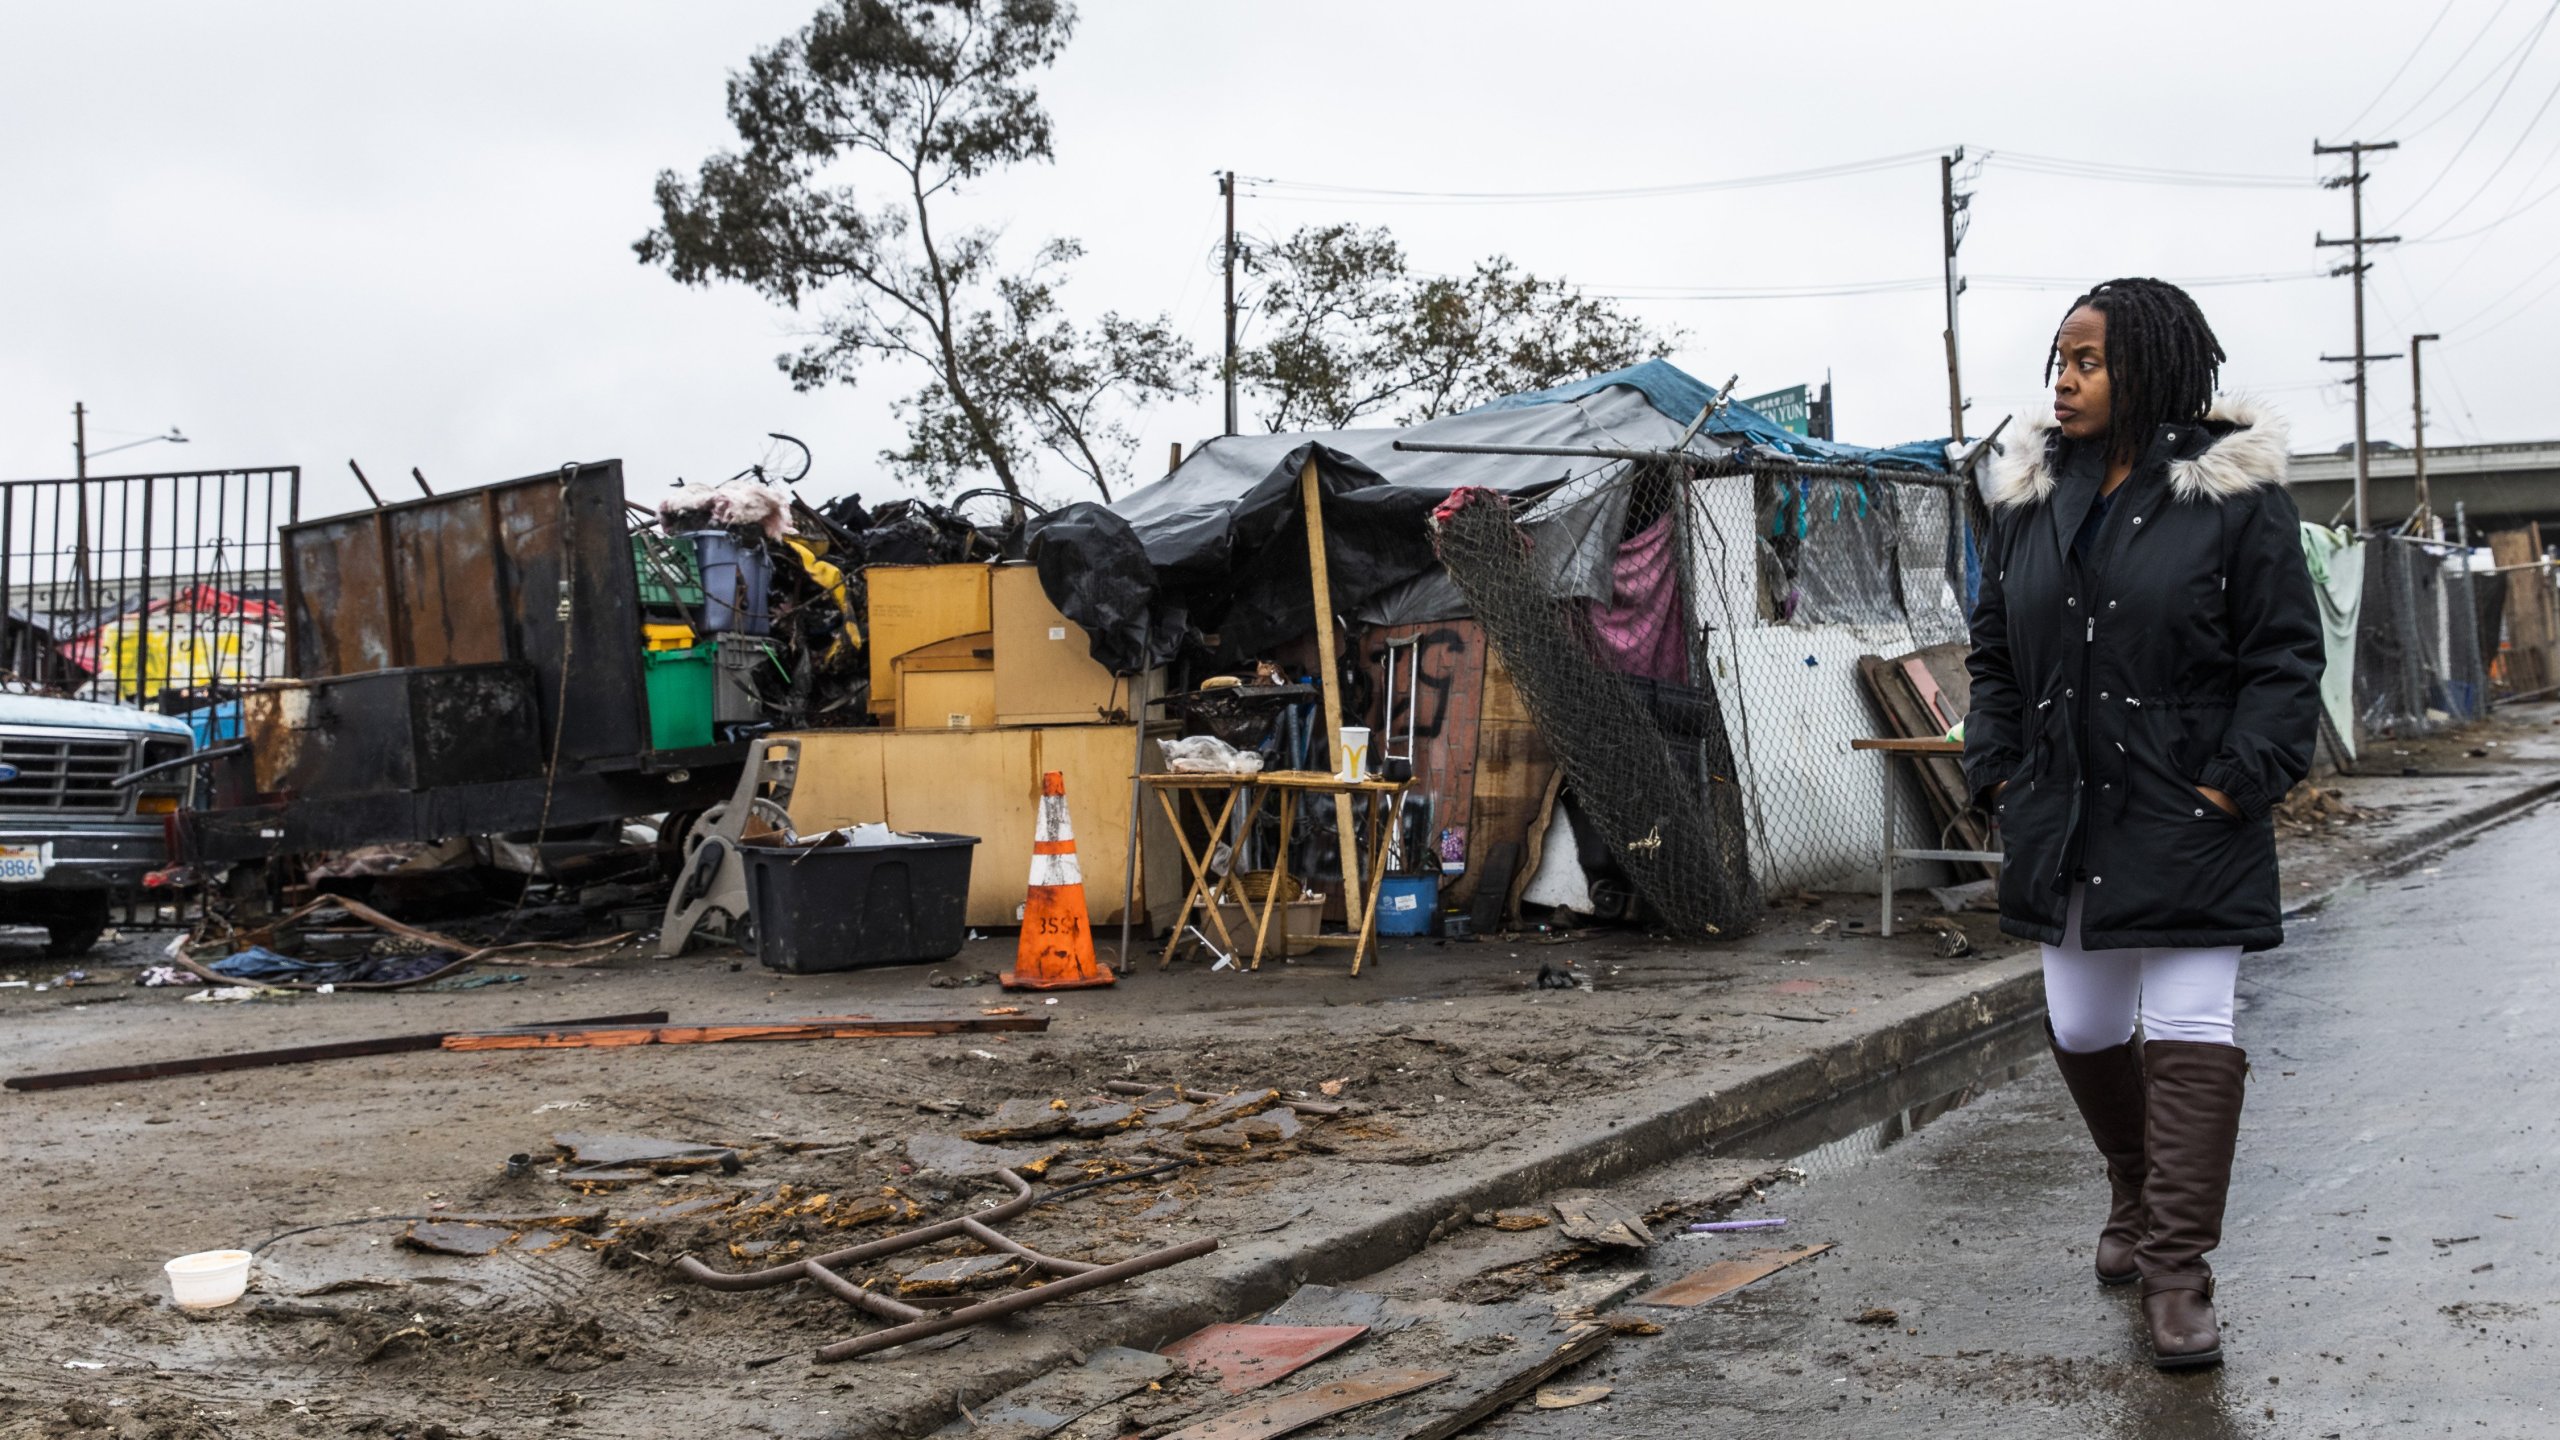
point(22, 863)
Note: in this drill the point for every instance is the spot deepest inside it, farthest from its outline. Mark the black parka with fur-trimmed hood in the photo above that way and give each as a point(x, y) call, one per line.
point(2185, 651)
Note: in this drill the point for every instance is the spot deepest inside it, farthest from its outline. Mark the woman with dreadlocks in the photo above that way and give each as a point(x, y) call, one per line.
point(2146, 668)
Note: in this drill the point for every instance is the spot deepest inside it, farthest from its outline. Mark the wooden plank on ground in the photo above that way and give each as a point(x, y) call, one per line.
point(1726, 1276)
point(1299, 1409)
point(290, 1055)
point(1487, 1385)
point(1248, 1357)
point(1602, 1220)
point(1325, 1305)
point(1062, 1397)
point(590, 1037)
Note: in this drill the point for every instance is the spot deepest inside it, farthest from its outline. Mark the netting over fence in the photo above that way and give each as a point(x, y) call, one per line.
point(2421, 660)
point(1716, 768)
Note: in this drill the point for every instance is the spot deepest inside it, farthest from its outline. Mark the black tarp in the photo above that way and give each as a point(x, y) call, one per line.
point(1218, 546)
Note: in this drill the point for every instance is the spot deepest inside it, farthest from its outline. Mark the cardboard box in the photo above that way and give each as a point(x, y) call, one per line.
point(1045, 671)
point(946, 699)
point(948, 685)
point(987, 783)
point(1293, 925)
point(912, 606)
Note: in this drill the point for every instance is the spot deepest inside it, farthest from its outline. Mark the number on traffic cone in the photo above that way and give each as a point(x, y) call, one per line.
point(1056, 950)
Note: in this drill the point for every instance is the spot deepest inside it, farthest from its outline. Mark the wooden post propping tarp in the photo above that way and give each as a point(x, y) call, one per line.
point(1311, 496)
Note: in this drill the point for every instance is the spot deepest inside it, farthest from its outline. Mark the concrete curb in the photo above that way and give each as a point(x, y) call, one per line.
point(2433, 837)
point(1602, 1142)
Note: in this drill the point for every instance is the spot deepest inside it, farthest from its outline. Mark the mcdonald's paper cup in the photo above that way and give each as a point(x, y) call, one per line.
point(1354, 751)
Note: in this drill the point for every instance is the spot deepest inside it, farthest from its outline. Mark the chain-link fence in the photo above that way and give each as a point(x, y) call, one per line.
point(2422, 641)
point(1812, 609)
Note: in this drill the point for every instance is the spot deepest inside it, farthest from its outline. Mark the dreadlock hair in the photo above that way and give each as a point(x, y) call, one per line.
point(2162, 359)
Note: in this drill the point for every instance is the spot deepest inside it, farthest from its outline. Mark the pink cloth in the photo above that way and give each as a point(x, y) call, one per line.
point(1640, 630)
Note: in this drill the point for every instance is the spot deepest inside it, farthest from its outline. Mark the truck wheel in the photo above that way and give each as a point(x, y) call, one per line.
point(71, 939)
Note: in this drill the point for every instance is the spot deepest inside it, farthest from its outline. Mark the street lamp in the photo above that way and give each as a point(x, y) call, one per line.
point(80, 451)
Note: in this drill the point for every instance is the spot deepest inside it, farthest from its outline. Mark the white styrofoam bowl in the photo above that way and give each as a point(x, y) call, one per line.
point(208, 1279)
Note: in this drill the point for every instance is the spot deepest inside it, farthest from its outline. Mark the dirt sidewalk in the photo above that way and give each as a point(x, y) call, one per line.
point(1472, 1088)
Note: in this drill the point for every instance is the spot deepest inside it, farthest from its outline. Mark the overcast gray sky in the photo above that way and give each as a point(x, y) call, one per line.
point(304, 232)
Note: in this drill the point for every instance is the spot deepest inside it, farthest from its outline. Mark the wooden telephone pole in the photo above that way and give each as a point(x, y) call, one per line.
point(2353, 183)
point(2418, 429)
point(1953, 222)
point(1227, 188)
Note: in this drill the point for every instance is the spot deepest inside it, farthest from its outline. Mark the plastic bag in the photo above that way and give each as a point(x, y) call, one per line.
point(1208, 755)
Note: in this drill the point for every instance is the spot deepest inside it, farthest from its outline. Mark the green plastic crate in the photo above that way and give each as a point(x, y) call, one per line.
point(669, 569)
point(680, 695)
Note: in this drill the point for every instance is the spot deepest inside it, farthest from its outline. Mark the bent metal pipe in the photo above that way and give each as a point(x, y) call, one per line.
point(918, 1323)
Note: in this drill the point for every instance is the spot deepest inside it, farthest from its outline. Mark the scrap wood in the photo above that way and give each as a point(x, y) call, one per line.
point(1599, 1220)
point(290, 1055)
point(449, 1237)
point(1519, 1350)
point(469, 955)
point(1585, 1296)
point(582, 1037)
point(1725, 1276)
point(664, 1157)
point(1326, 1305)
point(1296, 1411)
point(1248, 1357)
point(1061, 1397)
point(1313, 1109)
point(1566, 1397)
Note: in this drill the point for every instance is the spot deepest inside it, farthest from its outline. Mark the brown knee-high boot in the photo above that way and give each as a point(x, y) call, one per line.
point(2194, 1110)
point(2107, 1086)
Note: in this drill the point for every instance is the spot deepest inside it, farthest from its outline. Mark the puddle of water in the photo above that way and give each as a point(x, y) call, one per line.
point(1845, 1133)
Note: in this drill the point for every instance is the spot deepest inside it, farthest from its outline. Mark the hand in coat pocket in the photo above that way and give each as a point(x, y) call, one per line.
point(2221, 802)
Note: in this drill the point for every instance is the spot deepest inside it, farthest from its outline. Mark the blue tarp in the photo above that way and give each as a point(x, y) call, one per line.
point(1680, 395)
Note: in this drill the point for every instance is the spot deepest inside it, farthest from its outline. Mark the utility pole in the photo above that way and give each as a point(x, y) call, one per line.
point(1954, 219)
point(2353, 183)
point(80, 477)
point(2418, 425)
point(1227, 188)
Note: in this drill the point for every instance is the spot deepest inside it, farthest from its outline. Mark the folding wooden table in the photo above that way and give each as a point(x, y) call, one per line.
point(1915, 749)
point(1215, 798)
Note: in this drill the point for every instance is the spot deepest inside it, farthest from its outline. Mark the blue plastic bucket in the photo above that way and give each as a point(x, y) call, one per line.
point(1406, 904)
point(737, 580)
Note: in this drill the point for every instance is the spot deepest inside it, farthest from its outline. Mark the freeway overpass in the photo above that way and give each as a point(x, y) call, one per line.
point(2499, 487)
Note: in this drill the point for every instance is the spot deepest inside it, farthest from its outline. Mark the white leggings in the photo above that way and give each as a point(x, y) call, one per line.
point(2093, 996)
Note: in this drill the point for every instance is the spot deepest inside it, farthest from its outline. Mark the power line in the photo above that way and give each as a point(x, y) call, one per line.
point(2145, 174)
point(2405, 62)
point(1821, 290)
point(2414, 105)
point(2465, 146)
point(1276, 188)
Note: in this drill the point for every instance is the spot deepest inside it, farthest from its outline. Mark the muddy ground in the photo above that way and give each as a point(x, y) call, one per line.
point(1441, 1053)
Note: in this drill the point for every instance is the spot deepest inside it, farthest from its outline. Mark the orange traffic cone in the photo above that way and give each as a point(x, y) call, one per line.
point(1056, 951)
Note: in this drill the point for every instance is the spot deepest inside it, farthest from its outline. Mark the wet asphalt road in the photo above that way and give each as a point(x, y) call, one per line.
point(2386, 1267)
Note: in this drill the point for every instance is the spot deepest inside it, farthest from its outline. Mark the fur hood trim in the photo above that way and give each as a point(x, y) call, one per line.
point(2252, 454)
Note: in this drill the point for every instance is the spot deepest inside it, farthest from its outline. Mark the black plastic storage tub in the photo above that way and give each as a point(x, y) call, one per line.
point(843, 907)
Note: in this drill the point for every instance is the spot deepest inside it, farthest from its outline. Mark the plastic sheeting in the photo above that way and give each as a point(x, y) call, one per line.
point(2337, 580)
point(1680, 395)
point(1225, 550)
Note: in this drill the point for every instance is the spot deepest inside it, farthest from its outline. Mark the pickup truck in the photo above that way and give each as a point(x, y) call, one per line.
point(74, 842)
